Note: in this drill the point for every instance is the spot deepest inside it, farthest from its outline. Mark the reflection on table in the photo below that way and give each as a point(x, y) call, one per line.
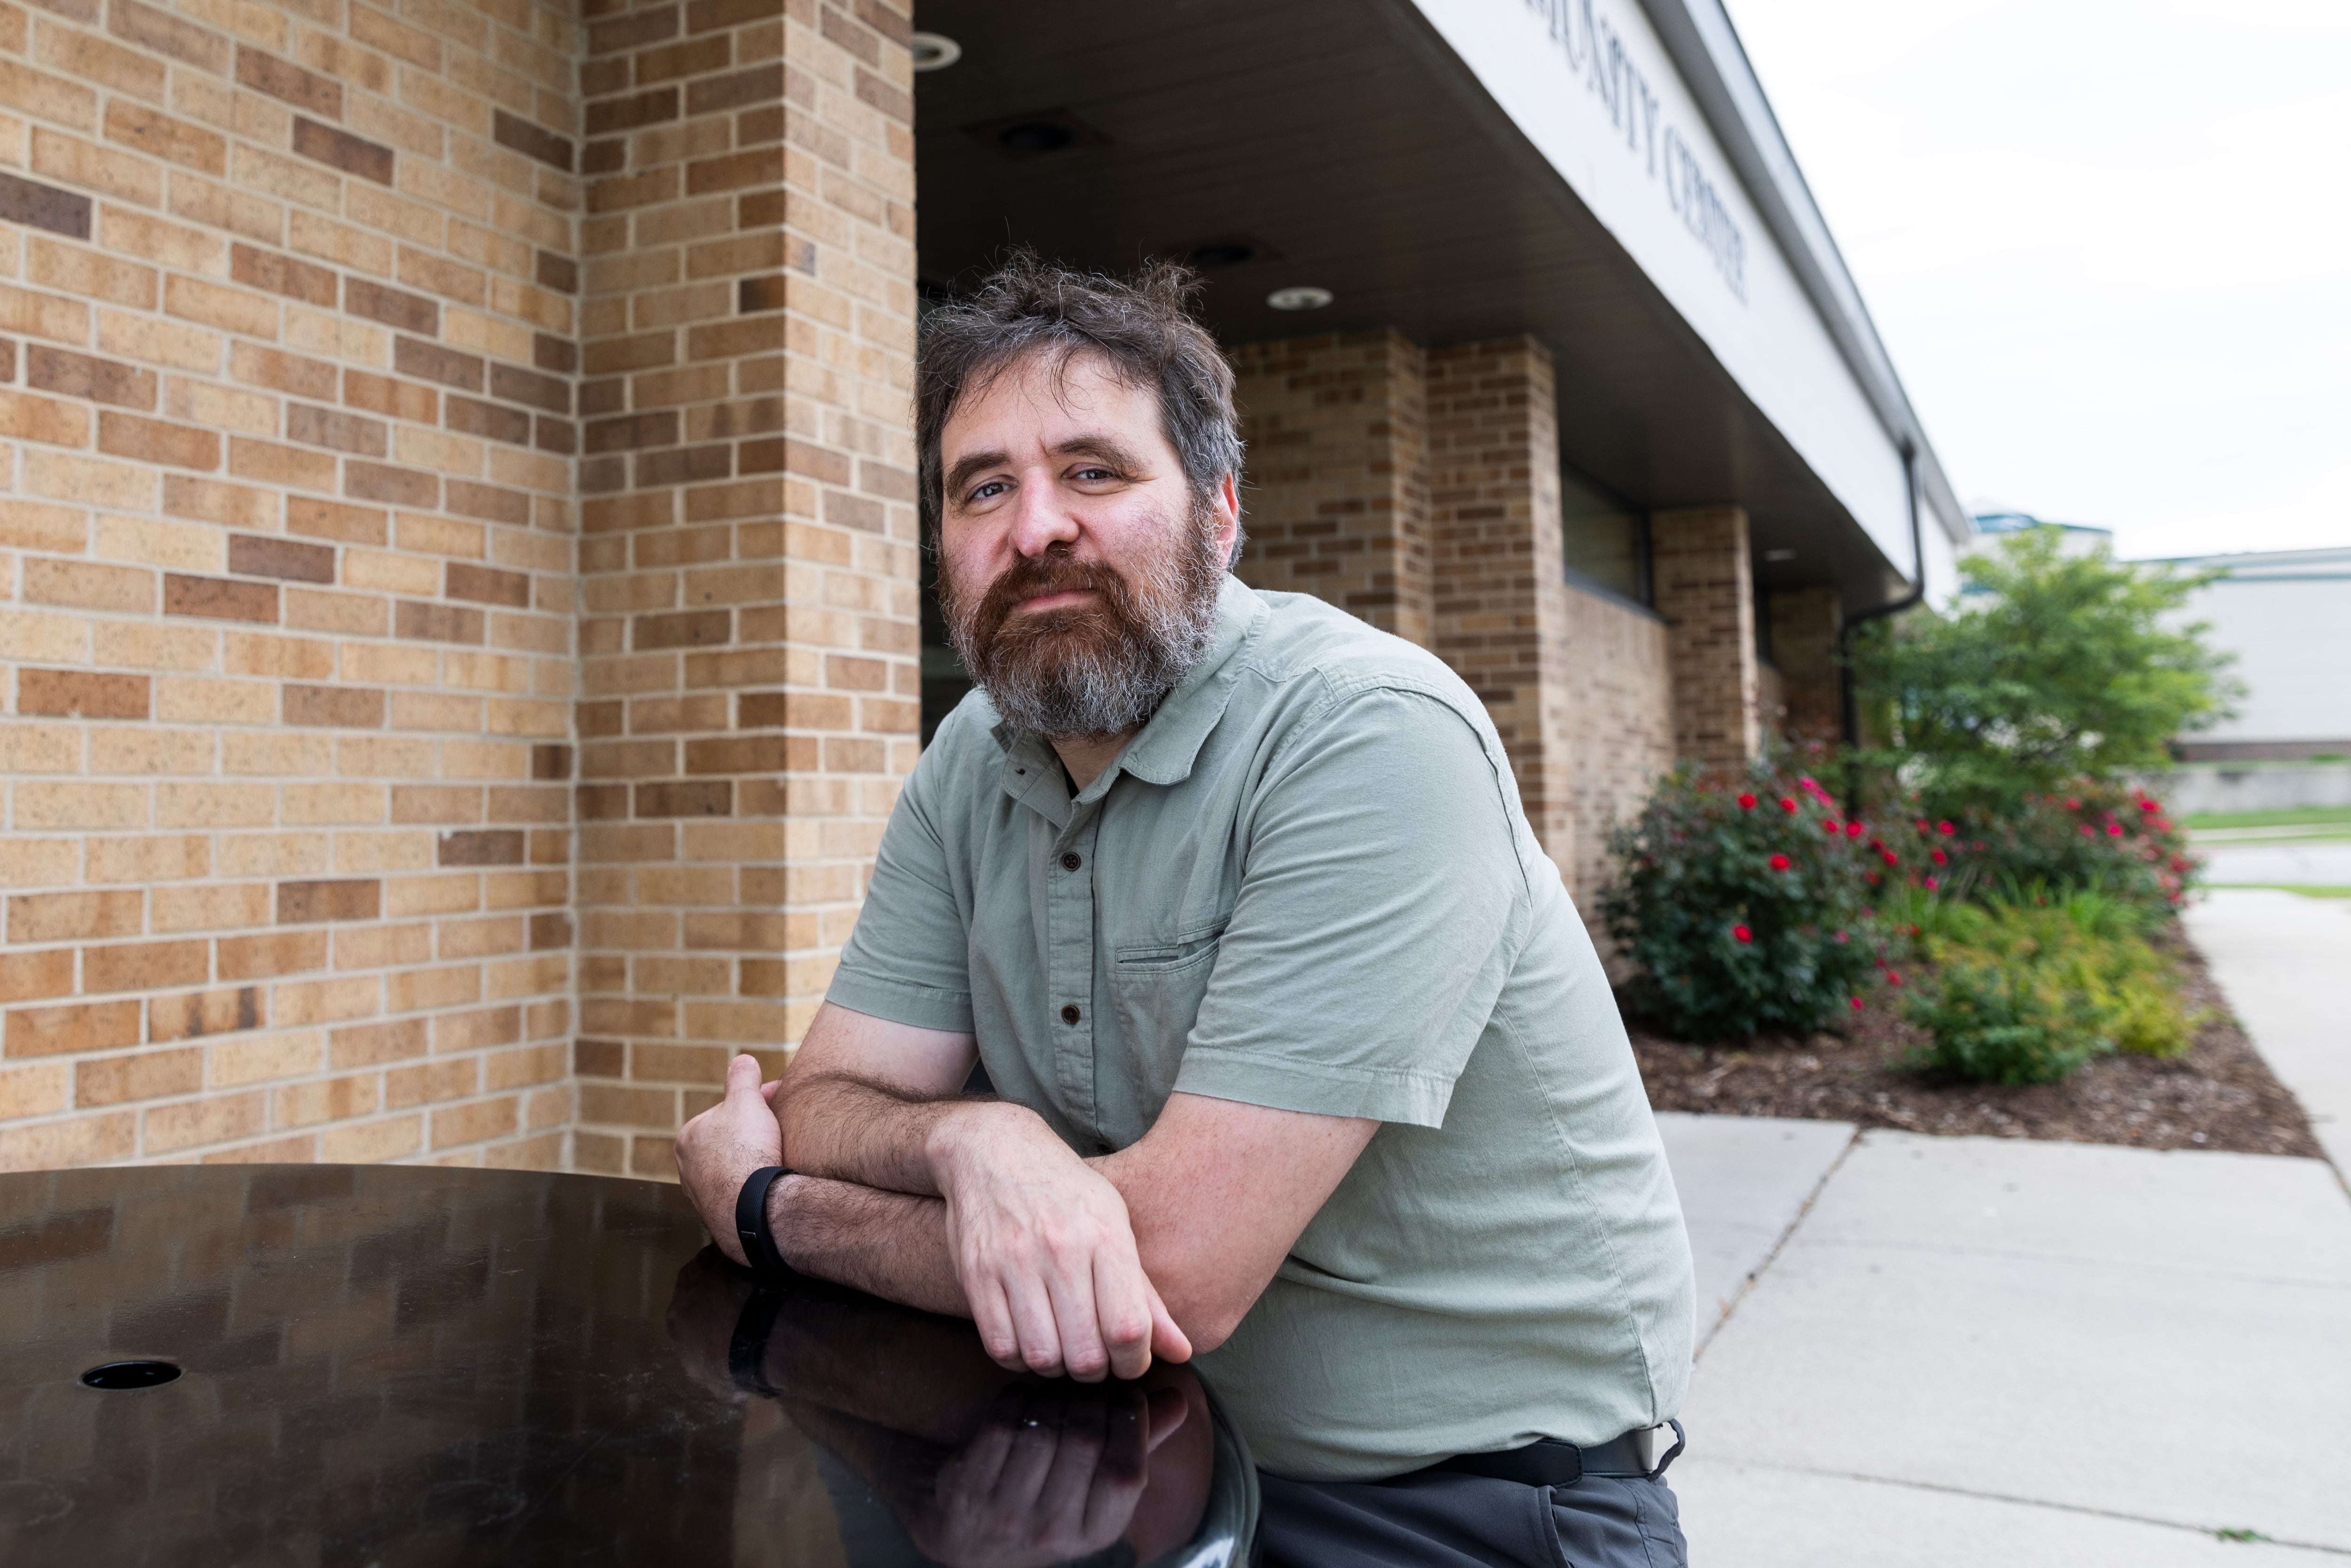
point(397, 1366)
point(931, 1452)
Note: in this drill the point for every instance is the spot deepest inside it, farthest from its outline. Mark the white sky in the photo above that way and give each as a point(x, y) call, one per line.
point(2107, 243)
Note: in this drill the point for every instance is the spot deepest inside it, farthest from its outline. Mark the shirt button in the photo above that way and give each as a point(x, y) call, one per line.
point(1070, 1014)
point(1071, 862)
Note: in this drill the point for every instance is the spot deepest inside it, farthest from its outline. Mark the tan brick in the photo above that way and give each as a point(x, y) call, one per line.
point(34, 526)
point(193, 1015)
point(87, 585)
point(211, 905)
point(81, 1026)
point(144, 1076)
point(327, 1100)
point(215, 1120)
point(235, 1061)
point(144, 966)
point(368, 1142)
point(35, 1091)
point(77, 1141)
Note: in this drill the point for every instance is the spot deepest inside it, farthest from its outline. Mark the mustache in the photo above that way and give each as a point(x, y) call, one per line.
point(1033, 577)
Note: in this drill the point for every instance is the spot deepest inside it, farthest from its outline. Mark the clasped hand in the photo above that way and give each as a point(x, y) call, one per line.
point(1045, 1250)
point(1040, 1242)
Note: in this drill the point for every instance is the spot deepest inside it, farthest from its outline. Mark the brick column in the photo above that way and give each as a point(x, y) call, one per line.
point(1500, 605)
point(1706, 591)
point(1337, 496)
point(1805, 624)
point(751, 638)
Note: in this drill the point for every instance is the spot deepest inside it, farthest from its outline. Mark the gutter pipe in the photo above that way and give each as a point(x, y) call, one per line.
point(1917, 591)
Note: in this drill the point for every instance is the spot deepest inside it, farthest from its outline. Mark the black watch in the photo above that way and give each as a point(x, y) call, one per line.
point(751, 1222)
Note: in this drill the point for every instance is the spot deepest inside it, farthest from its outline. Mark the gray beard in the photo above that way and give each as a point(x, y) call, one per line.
point(1105, 685)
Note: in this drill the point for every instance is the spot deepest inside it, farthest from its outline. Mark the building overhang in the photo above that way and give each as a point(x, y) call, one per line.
point(1450, 169)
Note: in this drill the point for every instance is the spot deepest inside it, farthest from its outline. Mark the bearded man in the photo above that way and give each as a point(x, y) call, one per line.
point(1302, 1062)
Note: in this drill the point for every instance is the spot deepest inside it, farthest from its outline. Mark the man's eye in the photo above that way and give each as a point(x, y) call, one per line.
point(1094, 475)
point(989, 491)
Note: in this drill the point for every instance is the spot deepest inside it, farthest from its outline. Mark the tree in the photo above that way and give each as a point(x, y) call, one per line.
point(2054, 667)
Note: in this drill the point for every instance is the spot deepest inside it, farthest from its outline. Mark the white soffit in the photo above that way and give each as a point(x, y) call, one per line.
point(1592, 85)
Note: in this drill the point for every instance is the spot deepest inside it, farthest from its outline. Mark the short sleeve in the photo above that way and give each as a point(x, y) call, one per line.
point(1381, 907)
point(908, 958)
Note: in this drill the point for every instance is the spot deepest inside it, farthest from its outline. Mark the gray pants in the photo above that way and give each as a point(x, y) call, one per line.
point(1444, 1520)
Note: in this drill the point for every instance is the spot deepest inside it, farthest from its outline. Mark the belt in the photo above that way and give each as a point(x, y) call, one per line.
point(1548, 1462)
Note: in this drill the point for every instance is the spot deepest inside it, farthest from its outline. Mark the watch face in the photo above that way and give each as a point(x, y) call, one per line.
point(467, 1367)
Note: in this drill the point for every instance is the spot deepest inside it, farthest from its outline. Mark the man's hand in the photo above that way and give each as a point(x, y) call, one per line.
point(1044, 1251)
point(718, 1150)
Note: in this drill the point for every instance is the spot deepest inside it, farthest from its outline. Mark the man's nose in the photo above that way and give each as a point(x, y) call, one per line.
point(1042, 519)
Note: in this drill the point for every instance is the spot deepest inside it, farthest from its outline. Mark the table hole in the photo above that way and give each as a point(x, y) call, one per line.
point(131, 1375)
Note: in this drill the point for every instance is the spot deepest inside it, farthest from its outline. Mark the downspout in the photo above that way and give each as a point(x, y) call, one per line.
point(1917, 591)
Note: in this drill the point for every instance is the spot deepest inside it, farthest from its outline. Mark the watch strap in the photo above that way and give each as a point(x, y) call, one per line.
point(751, 1222)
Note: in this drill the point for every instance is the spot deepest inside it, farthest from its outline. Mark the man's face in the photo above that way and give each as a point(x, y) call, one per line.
point(1077, 569)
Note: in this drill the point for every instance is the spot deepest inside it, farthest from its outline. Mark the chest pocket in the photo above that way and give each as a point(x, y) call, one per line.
point(1157, 990)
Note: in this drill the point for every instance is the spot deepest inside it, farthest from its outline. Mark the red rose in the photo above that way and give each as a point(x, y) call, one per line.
point(1746, 802)
point(1787, 802)
point(1944, 827)
point(2149, 806)
point(1831, 825)
point(1854, 829)
point(1939, 857)
point(2113, 829)
point(1856, 1004)
point(1780, 863)
point(2073, 803)
point(1930, 887)
point(1743, 933)
point(1891, 857)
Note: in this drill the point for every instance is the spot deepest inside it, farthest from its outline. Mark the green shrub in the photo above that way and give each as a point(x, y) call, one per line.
point(1748, 902)
point(2027, 991)
point(2000, 1021)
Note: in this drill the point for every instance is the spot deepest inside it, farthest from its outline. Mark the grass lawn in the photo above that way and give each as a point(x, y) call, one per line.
point(2305, 889)
point(2299, 817)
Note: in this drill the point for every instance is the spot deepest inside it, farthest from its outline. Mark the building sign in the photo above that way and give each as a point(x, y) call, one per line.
point(1595, 52)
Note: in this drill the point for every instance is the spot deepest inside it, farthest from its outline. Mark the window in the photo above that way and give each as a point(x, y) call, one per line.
point(1606, 542)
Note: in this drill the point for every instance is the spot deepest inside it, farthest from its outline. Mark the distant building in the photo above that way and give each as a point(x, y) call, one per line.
point(2286, 616)
point(2080, 539)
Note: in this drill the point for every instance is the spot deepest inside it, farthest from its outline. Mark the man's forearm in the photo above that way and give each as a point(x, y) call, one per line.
point(865, 1134)
point(889, 1244)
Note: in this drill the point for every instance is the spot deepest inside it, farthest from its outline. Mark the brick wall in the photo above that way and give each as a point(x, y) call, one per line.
point(1337, 496)
point(751, 637)
point(1501, 602)
point(1703, 574)
point(285, 579)
point(1804, 628)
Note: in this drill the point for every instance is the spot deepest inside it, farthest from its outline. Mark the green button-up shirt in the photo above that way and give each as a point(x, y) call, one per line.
point(1307, 884)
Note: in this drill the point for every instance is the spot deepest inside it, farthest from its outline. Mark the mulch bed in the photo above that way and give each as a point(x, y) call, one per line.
point(2220, 1095)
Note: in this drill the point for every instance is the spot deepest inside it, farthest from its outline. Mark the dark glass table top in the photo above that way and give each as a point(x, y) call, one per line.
point(392, 1365)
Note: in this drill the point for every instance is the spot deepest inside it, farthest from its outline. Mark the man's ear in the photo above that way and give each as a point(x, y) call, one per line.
point(1229, 534)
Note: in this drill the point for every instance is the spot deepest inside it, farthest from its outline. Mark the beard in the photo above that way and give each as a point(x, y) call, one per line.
point(1096, 670)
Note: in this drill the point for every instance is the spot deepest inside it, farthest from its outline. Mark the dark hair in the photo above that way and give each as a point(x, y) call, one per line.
point(1142, 325)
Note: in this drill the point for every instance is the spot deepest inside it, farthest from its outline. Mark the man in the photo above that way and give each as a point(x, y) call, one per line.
point(1302, 1060)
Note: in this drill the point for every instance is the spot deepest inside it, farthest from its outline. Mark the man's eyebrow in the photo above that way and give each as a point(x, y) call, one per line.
point(973, 463)
point(1106, 448)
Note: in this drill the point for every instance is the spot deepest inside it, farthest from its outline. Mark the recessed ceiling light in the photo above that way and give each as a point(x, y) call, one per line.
point(935, 51)
point(1304, 297)
point(1779, 555)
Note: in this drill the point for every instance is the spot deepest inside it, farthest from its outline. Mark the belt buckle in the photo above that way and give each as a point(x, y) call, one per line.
point(1658, 1447)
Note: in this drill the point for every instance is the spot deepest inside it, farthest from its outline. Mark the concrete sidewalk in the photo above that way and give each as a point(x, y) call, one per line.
point(2281, 959)
point(1938, 1352)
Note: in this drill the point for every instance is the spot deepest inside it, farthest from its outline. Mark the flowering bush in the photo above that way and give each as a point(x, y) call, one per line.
point(2103, 838)
point(1749, 902)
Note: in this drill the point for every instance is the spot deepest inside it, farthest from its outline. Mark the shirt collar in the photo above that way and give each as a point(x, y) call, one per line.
point(1163, 750)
